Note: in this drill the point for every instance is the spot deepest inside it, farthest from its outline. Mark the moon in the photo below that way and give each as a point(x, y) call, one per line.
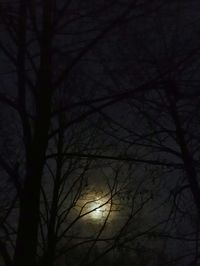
point(96, 208)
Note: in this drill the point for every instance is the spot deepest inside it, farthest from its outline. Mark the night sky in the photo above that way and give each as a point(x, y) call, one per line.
point(99, 133)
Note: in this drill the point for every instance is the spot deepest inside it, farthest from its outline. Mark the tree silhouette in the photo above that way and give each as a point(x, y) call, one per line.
point(104, 89)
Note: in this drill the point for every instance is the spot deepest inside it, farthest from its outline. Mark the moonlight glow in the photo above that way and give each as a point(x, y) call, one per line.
point(96, 208)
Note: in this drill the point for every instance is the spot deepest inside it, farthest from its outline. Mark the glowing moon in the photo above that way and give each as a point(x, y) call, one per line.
point(96, 208)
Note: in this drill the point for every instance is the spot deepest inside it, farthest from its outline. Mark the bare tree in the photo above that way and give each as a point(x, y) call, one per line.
point(44, 45)
point(162, 110)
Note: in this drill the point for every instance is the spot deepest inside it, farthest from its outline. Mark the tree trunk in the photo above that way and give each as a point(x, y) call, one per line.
point(27, 234)
point(26, 245)
point(186, 156)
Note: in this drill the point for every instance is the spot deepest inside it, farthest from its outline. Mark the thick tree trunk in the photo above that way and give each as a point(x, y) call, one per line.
point(26, 245)
point(27, 234)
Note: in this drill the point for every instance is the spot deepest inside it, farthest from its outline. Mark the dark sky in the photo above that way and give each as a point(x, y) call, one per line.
point(123, 119)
